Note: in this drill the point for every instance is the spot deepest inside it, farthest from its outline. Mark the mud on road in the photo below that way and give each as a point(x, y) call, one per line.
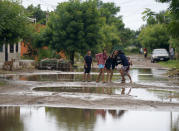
point(151, 90)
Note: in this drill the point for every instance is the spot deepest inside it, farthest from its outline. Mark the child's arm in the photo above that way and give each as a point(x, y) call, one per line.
point(97, 57)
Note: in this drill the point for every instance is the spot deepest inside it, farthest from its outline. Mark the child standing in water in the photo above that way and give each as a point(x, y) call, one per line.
point(110, 65)
point(123, 60)
point(101, 60)
point(87, 66)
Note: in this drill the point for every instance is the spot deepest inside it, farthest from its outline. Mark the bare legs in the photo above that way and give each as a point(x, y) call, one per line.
point(109, 75)
point(101, 74)
point(123, 74)
point(89, 77)
point(86, 75)
point(129, 77)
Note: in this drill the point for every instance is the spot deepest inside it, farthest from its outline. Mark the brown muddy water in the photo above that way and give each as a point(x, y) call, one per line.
point(153, 77)
point(70, 82)
point(71, 119)
point(30, 118)
point(142, 94)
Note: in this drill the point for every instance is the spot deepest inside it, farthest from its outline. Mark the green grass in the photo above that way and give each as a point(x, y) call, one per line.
point(170, 64)
point(2, 83)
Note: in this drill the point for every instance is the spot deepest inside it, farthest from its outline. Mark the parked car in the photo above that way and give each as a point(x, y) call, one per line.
point(159, 55)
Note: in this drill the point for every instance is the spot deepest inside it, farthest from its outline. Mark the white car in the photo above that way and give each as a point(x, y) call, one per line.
point(159, 55)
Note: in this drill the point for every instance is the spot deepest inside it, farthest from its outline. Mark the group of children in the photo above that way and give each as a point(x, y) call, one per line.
point(108, 64)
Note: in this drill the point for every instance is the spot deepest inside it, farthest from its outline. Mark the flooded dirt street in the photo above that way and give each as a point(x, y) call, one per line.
point(150, 90)
point(59, 100)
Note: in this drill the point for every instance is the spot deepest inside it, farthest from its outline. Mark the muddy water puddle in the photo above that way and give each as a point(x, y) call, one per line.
point(70, 119)
point(144, 94)
point(153, 77)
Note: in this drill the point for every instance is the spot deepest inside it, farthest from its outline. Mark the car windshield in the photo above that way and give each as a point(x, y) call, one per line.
point(159, 52)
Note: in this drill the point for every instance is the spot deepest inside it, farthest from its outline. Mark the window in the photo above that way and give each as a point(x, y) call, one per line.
point(11, 48)
point(17, 49)
point(1, 48)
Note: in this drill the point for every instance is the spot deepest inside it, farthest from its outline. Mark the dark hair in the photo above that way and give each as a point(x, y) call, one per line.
point(112, 55)
point(120, 52)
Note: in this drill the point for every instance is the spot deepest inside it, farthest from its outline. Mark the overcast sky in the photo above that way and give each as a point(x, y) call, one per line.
point(130, 9)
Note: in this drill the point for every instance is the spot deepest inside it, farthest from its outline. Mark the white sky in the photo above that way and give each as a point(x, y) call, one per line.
point(130, 9)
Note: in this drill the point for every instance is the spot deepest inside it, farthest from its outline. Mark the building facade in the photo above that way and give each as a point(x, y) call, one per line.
point(9, 52)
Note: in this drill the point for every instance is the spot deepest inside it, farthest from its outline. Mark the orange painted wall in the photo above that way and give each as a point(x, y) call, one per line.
point(24, 48)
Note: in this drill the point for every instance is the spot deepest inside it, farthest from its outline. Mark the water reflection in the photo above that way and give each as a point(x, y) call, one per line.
point(70, 119)
point(164, 95)
point(10, 119)
point(140, 76)
point(96, 90)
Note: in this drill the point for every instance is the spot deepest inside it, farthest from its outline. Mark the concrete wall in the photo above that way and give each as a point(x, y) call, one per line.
point(15, 55)
point(27, 63)
point(2, 55)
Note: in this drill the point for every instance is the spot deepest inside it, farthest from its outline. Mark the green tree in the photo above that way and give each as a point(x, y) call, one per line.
point(154, 36)
point(149, 16)
point(173, 26)
point(109, 11)
point(38, 13)
point(113, 26)
point(74, 27)
point(13, 22)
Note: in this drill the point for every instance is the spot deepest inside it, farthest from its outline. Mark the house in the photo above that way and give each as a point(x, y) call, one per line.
point(9, 52)
point(13, 51)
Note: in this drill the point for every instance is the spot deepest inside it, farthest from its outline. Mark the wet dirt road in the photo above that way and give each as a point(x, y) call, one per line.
point(151, 90)
point(59, 100)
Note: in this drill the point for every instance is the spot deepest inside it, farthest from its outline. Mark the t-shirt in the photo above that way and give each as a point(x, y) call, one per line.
point(101, 58)
point(88, 60)
point(123, 60)
point(110, 63)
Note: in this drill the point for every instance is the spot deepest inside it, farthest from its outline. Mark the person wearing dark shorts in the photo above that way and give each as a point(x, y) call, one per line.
point(110, 65)
point(87, 66)
point(123, 60)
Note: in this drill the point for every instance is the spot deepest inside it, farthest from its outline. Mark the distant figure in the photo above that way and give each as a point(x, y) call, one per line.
point(110, 65)
point(101, 60)
point(145, 52)
point(141, 51)
point(172, 53)
point(87, 66)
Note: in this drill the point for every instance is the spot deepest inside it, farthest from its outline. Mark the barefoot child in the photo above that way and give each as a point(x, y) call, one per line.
point(110, 65)
point(87, 66)
point(125, 65)
point(101, 59)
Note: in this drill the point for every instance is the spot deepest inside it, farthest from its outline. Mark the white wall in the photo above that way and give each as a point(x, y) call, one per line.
point(15, 55)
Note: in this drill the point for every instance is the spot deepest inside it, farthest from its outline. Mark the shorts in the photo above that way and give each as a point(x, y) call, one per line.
point(101, 66)
point(87, 70)
point(109, 67)
point(125, 69)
